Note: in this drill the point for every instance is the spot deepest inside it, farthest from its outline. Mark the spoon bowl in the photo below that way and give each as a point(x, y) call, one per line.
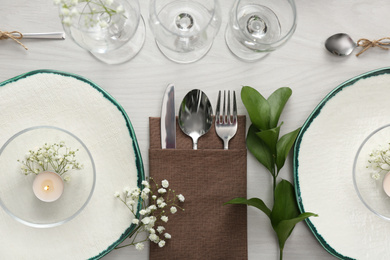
point(340, 44)
point(195, 115)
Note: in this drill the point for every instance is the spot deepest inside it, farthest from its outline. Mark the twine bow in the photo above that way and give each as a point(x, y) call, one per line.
point(366, 44)
point(5, 35)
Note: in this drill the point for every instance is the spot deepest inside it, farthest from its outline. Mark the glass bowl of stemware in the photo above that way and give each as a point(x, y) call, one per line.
point(370, 172)
point(16, 193)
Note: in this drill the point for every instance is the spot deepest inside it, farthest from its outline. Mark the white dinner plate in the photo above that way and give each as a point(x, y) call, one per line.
point(323, 164)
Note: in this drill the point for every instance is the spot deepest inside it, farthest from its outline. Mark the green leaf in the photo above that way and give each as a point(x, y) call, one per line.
point(254, 202)
point(257, 107)
point(285, 227)
point(270, 138)
point(285, 212)
point(284, 146)
point(285, 206)
point(277, 101)
point(259, 149)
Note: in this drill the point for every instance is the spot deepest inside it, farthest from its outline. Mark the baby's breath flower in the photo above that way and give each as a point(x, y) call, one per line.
point(103, 24)
point(160, 229)
point(67, 178)
point(130, 202)
point(181, 197)
point(160, 200)
point(162, 205)
point(154, 238)
point(165, 184)
point(152, 207)
point(153, 211)
point(120, 9)
point(145, 221)
point(117, 194)
point(50, 157)
point(173, 209)
point(139, 246)
point(376, 176)
point(161, 243)
point(162, 191)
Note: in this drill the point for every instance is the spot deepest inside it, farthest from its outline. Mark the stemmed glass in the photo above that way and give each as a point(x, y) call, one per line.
point(184, 29)
point(257, 27)
point(113, 31)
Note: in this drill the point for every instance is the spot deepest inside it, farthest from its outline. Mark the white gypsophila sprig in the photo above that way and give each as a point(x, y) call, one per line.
point(92, 11)
point(152, 206)
point(55, 157)
point(379, 162)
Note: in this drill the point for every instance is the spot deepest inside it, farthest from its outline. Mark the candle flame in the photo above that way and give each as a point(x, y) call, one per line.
point(46, 187)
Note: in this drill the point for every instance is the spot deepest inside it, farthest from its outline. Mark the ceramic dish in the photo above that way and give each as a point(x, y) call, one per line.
point(74, 103)
point(324, 156)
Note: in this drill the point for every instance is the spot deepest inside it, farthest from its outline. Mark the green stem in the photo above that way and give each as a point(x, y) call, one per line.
point(281, 254)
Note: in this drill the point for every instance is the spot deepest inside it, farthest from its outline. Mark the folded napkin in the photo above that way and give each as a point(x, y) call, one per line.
point(207, 178)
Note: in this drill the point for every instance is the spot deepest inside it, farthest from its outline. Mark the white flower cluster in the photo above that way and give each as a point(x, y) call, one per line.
point(92, 10)
point(379, 162)
point(152, 216)
point(50, 157)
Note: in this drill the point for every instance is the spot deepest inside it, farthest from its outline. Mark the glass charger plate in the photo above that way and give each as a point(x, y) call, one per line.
point(73, 103)
point(324, 156)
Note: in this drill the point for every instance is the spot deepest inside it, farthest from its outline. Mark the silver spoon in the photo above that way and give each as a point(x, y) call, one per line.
point(195, 115)
point(340, 44)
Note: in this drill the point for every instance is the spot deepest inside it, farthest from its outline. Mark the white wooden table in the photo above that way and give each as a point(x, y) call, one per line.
point(303, 64)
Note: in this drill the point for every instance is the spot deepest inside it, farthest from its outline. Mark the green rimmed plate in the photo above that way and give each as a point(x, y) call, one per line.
point(323, 163)
point(74, 103)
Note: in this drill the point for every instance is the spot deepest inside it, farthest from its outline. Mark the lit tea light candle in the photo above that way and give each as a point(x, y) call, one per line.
point(386, 184)
point(48, 186)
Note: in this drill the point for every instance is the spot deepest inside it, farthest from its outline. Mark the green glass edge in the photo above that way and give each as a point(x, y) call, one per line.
point(305, 126)
point(139, 163)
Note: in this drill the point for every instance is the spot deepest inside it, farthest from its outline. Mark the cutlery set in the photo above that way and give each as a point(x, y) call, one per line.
point(195, 117)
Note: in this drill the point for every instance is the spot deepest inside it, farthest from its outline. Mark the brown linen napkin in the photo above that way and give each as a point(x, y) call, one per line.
point(207, 177)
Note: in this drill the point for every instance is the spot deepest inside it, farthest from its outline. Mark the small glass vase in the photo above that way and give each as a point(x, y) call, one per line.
point(111, 30)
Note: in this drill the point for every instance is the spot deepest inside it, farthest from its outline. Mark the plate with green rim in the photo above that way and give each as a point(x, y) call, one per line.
point(76, 104)
point(323, 162)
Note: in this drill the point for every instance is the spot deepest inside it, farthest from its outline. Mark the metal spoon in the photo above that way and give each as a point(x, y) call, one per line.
point(340, 44)
point(195, 115)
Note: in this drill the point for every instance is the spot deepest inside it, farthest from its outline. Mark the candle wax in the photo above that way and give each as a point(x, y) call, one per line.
point(48, 186)
point(386, 184)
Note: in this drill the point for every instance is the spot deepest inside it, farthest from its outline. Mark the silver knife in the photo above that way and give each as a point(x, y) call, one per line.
point(168, 119)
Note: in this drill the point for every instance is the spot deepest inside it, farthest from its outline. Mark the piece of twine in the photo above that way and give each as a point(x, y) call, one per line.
point(366, 44)
point(5, 35)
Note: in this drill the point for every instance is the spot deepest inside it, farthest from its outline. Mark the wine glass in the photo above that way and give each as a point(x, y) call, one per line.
point(258, 27)
point(184, 29)
point(112, 30)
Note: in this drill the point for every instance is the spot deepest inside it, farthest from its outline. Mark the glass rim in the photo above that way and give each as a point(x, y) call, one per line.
point(286, 36)
point(153, 13)
point(88, 29)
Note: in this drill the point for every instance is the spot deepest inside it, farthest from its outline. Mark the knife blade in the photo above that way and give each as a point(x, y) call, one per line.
point(168, 119)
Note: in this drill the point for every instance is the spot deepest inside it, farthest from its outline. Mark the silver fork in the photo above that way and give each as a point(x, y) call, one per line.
point(225, 124)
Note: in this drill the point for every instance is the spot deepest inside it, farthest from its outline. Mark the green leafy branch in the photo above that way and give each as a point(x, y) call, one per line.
point(271, 151)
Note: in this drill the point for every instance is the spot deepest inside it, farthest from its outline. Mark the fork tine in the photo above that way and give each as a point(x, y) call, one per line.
point(224, 107)
point(217, 112)
point(234, 106)
point(228, 108)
